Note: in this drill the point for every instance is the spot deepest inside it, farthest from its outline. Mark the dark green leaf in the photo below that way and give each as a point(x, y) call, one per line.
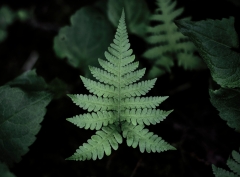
point(227, 102)
point(137, 14)
point(29, 81)
point(216, 41)
point(85, 40)
point(20, 116)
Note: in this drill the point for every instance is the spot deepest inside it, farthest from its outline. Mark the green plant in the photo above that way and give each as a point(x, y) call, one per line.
point(222, 61)
point(233, 164)
point(168, 44)
point(117, 104)
point(217, 50)
point(194, 127)
point(80, 35)
point(22, 109)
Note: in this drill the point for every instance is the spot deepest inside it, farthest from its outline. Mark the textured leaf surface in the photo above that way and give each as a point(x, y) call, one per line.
point(215, 40)
point(99, 144)
point(227, 102)
point(20, 116)
point(29, 81)
point(85, 40)
point(137, 14)
point(144, 116)
point(145, 140)
point(113, 104)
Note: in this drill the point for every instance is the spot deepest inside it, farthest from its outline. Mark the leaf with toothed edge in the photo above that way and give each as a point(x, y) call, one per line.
point(116, 109)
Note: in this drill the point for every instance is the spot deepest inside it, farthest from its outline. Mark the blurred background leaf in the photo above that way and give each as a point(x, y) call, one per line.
point(85, 40)
point(4, 171)
point(20, 116)
point(137, 14)
point(7, 17)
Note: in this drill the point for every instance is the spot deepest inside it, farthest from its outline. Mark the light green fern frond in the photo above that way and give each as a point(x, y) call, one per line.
point(234, 165)
point(168, 44)
point(116, 107)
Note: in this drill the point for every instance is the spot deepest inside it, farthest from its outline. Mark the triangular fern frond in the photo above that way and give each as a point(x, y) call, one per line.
point(234, 165)
point(167, 42)
point(116, 106)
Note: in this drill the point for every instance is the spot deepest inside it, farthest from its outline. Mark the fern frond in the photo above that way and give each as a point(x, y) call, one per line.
point(98, 144)
point(116, 106)
point(137, 135)
point(167, 42)
point(219, 172)
point(232, 163)
point(236, 156)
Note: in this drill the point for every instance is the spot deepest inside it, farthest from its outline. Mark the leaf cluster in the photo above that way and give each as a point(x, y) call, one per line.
point(216, 40)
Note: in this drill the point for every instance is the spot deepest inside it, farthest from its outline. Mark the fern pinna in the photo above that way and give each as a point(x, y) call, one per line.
point(116, 109)
point(232, 163)
point(168, 44)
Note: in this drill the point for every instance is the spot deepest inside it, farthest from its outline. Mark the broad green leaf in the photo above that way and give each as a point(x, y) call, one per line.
point(216, 41)
point(85, 40)
point(227, 102)
point(29, 81)
point(4, 171)
point(137, 14)
point(20, 116)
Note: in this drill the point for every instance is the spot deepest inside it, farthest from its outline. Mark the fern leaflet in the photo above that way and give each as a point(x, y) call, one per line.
point(116, 110)
point(232, 163)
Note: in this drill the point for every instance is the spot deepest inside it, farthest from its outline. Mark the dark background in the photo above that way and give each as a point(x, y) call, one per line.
point(201, 137)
